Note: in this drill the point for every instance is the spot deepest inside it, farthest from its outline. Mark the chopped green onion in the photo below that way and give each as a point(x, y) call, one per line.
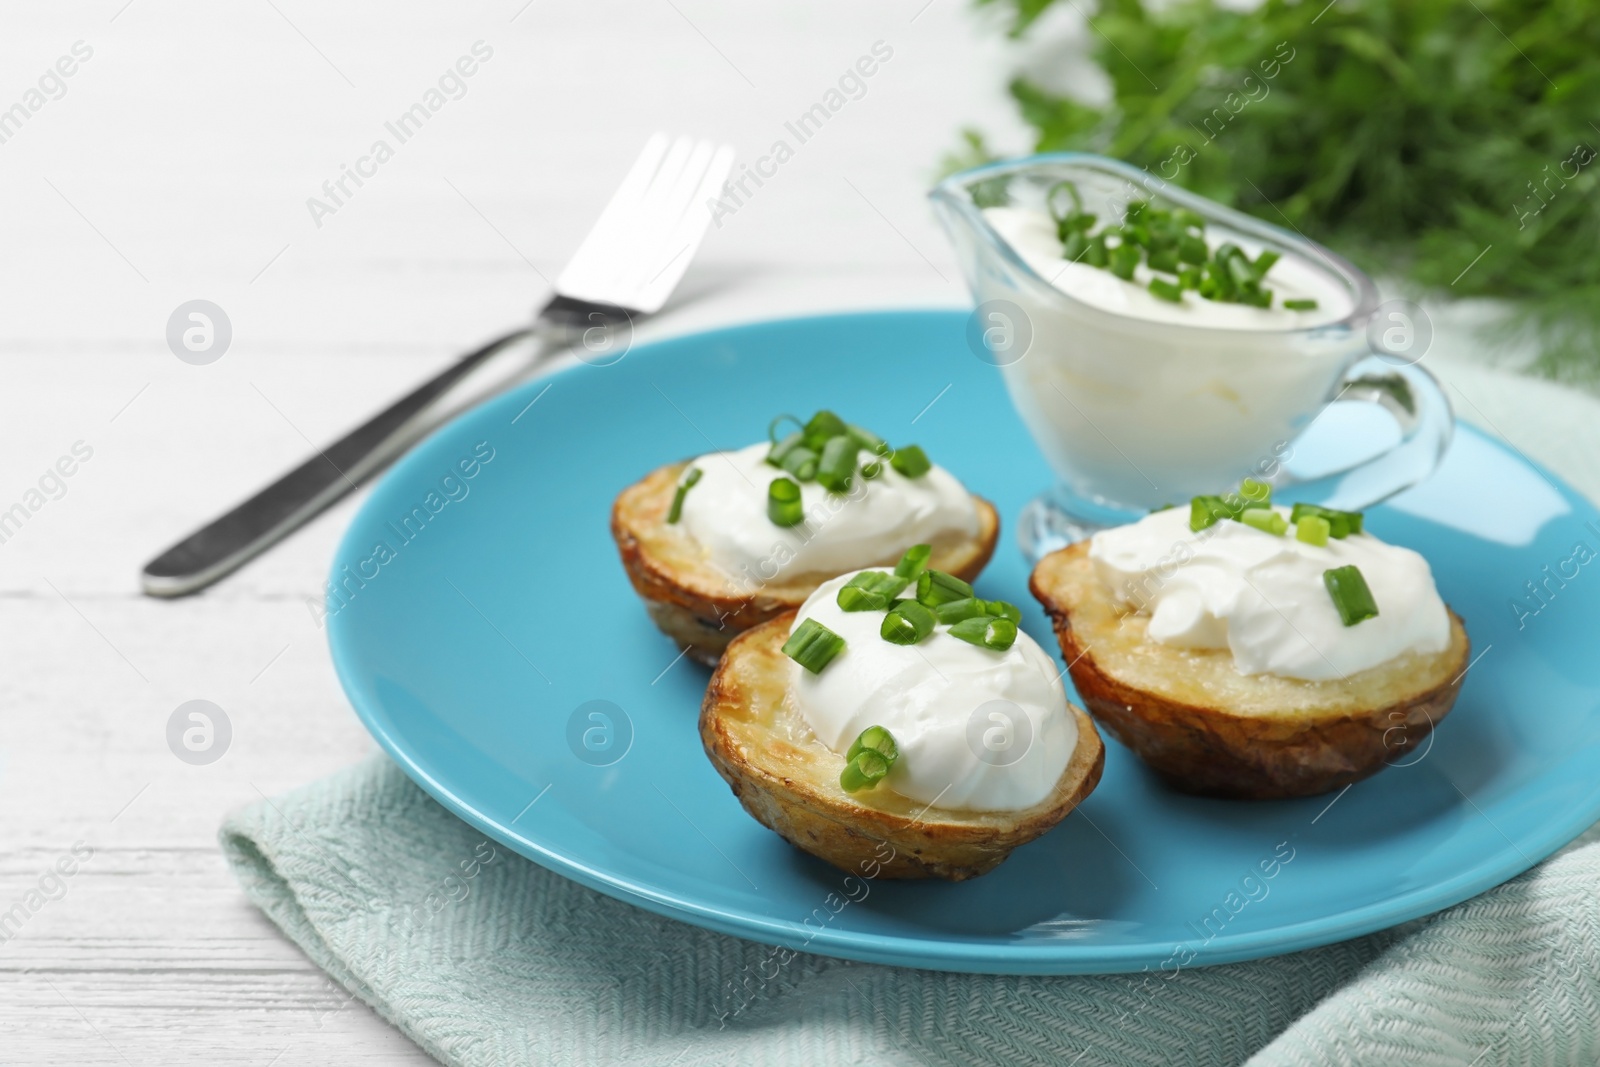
point(864, 771)
point(686, 484)
point(871, 470)
point(1124, 260)
point(913, 563)
point(838, 463)
point(1165, 261)
point(1312, 529)
point(1266, 520)
point(813, 645)
point(1341, 524)
point(823, 426)
point(991, 633)
point(1300, 305)
point(937, 587)
point(910, 461)
point(780, 450)
point(784, 506)
point(1189, 278)
point(953, 611)
point(801, 462)
point(870, 591)
point(1192, 250)
point(1003, 609)
point(1166, 290)
point(1207, 511)
point(1350, 594)
point(1265, 261)
point(1257, 492)
point(875, 739)
point(906, 623)
point(1073, 243)
point(772, 427)
point(869, 440)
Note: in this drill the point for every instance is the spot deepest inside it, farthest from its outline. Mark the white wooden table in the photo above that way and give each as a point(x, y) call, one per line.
point(175, 163)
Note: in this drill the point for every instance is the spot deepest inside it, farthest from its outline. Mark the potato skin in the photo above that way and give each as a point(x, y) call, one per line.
point(696, 604)
point(790, 784)
point(1214, 751)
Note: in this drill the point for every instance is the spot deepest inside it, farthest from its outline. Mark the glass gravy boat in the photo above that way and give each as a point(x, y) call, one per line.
point(1133, 413)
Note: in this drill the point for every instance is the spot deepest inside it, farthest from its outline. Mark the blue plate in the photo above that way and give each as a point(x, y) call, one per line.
point(484, 622)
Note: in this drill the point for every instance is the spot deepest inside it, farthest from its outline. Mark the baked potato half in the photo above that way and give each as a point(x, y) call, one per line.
point(699, 605)
point(789, 781)
point(1208, 729)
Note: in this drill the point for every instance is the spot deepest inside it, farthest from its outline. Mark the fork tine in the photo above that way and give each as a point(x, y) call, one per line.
point(643, 241)
point(670, 197)
point(683, 235)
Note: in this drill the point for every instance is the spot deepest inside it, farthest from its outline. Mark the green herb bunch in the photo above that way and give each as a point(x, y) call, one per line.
point(1453, 143)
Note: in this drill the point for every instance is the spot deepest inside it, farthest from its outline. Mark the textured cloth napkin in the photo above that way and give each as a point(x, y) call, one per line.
point(484, 958)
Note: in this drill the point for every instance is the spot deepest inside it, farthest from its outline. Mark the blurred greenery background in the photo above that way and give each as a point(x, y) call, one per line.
point(1451, 144)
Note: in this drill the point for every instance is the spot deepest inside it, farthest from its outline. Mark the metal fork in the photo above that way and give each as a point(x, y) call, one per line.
point(625, 269)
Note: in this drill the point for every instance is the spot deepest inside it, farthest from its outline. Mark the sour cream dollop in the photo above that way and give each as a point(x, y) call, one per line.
point(726, 513)
point(1262, 597)
point(976, 729)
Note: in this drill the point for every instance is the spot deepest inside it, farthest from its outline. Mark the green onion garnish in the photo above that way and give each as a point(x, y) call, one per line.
point(875, 739)
point(937, 587)
point(914, 562)
point(826, 449)
point(1167, 241)
point(687, 483)
point(823, 426)
point(838, 463)
point(813, 645)
point(953, 611)
point(1266, 520)
point(772, 427)
point(907, 623)
point(869, 759)
point(869, 440)
point(1124, 260)
point(986, 632)
point(781, 449)
point(1207, 511)
point(1004, 610)
point(801, 462)
point(784, 506)
point(1350, 594)
point(1255, 492)
point(1166, 290)
point(1300, 305)
point(1312, 529)
point(870, 591)
point(865, 770)
point(1341, 524)
point(910, 461)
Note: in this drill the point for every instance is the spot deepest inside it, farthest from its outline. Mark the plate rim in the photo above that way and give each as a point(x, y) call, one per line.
point(978, 957)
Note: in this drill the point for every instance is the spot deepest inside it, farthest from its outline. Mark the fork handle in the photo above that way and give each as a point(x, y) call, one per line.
point(230, 541)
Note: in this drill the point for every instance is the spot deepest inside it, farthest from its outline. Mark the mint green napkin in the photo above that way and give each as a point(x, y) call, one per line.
point(484, 958)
